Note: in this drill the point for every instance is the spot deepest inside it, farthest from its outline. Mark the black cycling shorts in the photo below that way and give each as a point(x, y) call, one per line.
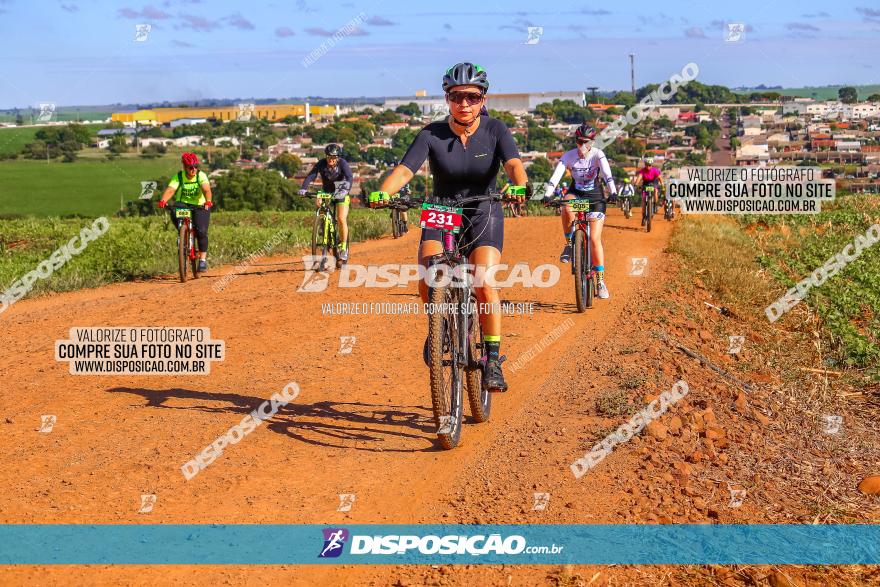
point(482, 225)
point(596, 198)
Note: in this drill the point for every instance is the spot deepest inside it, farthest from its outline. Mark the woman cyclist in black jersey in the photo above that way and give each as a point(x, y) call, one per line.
point(465, 152)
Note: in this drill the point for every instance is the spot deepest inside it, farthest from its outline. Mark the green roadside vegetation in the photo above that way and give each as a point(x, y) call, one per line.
point(749, 262)
point(145, 247)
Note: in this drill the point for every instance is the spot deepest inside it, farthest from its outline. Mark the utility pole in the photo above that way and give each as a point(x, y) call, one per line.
point(632, 72)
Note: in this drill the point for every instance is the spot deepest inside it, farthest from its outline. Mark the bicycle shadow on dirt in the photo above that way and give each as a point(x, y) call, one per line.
point(351, 422)
point(549, 307)
point(232, 275)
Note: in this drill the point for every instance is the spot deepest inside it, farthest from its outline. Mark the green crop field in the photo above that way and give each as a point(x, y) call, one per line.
point(91, 186)
point(13, 138)
point(819, 93)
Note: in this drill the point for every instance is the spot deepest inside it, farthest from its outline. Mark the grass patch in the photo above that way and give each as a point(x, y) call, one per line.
point(138, 248)
point(613, 403)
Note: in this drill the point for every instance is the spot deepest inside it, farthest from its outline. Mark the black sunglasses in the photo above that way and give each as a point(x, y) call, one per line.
point(472, 98)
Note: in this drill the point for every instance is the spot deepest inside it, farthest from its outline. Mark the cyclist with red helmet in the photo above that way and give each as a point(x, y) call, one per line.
point(585, 163)
point(191, 186)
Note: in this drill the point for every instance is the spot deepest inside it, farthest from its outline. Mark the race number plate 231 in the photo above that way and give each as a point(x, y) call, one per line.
point(441, 217)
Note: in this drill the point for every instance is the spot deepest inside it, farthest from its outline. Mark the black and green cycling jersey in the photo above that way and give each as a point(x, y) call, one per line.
point(189, 189)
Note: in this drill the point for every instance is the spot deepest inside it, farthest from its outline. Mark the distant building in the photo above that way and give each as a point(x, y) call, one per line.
point(184, 121)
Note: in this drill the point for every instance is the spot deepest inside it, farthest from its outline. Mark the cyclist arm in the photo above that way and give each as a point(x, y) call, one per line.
point(346, 171)
point(206, 189)
point(606, 172)
point(516, 172)
point(554, 179)
point(399, 177)
point(170, 190)
point(409, 165)
point(310, 177)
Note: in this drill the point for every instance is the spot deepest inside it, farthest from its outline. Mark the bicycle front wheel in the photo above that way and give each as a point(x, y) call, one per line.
point(446, 367)
point(395, 223)
point(319, 242)
point(649, 207)
point(582, 291)
point(182, 251)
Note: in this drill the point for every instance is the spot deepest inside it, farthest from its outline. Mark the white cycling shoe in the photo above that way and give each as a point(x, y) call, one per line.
point(602, 291)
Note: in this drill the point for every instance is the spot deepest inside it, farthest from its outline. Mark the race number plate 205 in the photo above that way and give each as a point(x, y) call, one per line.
point(441, 217)
point(579, 205)
point(183, 213)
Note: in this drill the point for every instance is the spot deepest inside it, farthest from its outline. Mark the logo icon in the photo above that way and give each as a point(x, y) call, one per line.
point(346, 501)
point(535, 33)
point(832, 424)
point(541, 501)
point(438, 111)
point(735, 32)
point(148, 500)
point(317, 274)
point(47, 112)
point(148, 188)
point(346, 344)
point(639, 266)
point(141, 32)
point(445, 425)
point(736, 497)
point(245, 112)
point(735, 344)
point(47, 423)
point(334, 540)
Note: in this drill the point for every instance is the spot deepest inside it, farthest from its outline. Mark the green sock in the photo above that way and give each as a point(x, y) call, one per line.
point(492, 345)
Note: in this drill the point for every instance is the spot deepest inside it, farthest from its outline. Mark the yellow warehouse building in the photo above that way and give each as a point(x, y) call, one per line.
point(270, 112)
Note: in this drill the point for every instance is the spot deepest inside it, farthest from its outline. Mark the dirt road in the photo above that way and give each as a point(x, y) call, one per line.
point(362, 424)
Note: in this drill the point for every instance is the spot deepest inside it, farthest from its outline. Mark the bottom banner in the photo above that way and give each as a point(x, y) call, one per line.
point(49, 544)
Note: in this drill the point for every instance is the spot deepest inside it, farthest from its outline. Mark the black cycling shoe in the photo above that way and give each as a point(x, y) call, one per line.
point(493, 377)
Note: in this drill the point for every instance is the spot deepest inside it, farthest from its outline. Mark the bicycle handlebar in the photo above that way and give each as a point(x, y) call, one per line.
point(407, 202)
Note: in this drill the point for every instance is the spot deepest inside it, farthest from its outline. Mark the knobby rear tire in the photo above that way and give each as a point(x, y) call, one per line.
point(480, 399)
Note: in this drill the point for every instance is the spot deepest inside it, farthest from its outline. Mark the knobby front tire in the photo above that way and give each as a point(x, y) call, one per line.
point(446, 370)
point(182, 251)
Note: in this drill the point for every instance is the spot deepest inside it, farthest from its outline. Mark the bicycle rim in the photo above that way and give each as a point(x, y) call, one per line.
point(446, 369)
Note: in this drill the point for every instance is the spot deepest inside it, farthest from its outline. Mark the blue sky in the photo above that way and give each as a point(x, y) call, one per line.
point(74, 52)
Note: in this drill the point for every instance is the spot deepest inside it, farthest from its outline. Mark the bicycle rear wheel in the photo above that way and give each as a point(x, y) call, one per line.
point(194, 257)
point(582, 290)
point(480, 399)
point(447, 381)
point(395, 223)
point(182, 251)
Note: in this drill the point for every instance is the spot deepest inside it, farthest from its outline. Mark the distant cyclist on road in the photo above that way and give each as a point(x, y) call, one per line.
point(626, 190)
point(649, 175)
point(191, 186)
point(333, 168)
point(465, 152)
point(585, 163)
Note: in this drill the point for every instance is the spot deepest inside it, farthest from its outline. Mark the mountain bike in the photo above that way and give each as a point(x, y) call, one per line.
point(454, 332)
point(585, 279)
point(513, 201)
point(626, 206)
point(400, 217)
point(325, 236)
point(187, 246)
point(647, 206)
